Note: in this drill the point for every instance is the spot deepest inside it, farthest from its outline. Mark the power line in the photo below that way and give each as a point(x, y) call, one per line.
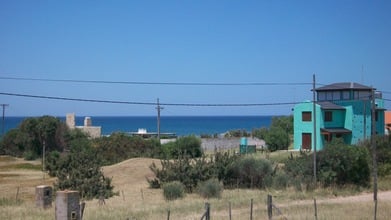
point(149, 103)
point(156, 83)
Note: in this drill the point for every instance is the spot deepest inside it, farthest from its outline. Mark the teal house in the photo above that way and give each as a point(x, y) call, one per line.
point(343, 110)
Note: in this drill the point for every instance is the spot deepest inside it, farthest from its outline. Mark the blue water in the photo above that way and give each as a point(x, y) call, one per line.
point(181, 125)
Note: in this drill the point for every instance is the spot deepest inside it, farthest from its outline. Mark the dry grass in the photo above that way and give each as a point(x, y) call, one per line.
point(137, 201)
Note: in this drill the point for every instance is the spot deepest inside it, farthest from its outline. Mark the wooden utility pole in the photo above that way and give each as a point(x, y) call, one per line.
point(158, 108)
point(314, 121)
point(374, 150)
point(2, 123)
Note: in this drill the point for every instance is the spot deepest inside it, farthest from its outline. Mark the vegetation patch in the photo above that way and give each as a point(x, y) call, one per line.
point(9, 202)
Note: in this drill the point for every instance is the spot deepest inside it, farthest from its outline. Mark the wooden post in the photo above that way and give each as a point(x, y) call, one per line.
point(82, 206)
point(251, 210)
point(230, 213)
point(168, 214)
point(316, 210)
point(269, 207)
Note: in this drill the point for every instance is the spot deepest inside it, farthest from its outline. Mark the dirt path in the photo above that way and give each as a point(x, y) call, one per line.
point(365, 197)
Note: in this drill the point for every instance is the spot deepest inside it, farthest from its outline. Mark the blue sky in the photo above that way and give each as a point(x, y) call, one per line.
point(192, 42)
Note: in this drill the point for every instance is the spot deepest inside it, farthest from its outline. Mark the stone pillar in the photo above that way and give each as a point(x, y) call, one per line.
point(70, 120)
point(67, 205)
point(43, 196)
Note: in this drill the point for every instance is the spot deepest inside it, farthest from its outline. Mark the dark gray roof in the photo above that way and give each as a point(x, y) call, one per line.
point(344, 86)
point(330, 105)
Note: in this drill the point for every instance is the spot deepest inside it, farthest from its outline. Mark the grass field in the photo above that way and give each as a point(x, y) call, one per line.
point(18, 179)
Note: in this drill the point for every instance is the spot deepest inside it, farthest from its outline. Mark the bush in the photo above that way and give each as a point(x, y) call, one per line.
point(342, 164)
point(249, 172)
point(30, 155)
point(185, 170)
point(211, 188)
point(189, 146)
point(277, 139)
point(173, 190)
point(280, 180)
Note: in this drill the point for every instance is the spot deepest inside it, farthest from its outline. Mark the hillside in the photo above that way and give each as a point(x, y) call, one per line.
point(130, 174)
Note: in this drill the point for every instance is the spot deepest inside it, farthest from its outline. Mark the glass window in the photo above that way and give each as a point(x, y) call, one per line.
point(329, 96)
point(306, 116)
point(336, 95)
point(321, 96)
point(328, 116)
point(345, 95)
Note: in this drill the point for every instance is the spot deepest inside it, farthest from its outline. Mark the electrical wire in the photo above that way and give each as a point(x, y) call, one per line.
point(148, 103)
point(155, 83)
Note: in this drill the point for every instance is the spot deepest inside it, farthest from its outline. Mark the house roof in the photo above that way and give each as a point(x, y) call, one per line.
point(344, 86)
point(336, 130)
point(330, 106)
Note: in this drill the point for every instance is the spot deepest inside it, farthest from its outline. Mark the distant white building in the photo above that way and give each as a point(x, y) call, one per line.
point(91, 131)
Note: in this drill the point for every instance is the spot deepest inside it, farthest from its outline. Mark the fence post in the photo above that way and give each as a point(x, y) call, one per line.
point(316, 210)
point(206, 215)
point(251, 210)
point(82, 207)
point(230, 214)
point(269, 207)
point(168, 214)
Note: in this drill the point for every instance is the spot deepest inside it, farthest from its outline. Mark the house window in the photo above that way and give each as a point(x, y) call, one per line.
point(376, 116)
point(336, 95)
point(306, 141)
point(328, 116)
point(306, 116)
point(345, 95)
point(321, 96)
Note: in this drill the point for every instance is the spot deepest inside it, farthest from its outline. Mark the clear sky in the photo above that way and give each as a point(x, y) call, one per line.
point(187, 42)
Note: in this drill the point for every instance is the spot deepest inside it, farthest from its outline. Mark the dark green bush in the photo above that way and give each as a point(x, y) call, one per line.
point(173, 190)
point(188, 146)
point(249, 172)
point(277, 139)
point(342, 164)
point(185, 170)
point(383, 153)
point(211, 188)
point(280, 180)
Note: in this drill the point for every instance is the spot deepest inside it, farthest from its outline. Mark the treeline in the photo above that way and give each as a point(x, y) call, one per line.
point(76, 160)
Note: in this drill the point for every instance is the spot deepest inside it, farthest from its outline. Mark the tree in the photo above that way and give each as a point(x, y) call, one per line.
point(80, 170)
point(277, 139)
point(31, 135)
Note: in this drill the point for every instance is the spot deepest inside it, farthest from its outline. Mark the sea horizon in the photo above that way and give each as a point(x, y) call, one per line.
point(181, 125)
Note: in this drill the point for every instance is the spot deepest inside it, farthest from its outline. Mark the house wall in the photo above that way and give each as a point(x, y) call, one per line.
point(301, 127)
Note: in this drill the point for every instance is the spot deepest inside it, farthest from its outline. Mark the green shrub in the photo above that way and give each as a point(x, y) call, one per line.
point(211, 188)
point(280, 180)
point(173, 190)
point(342, 164)
point(277, 139)
point(188, 146)
point(249, 172)
point(30, 155)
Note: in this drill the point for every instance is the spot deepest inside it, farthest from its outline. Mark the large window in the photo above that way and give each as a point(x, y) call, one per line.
point(328, 116)
point(306, 116)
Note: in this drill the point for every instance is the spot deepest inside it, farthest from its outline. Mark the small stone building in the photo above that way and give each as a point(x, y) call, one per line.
point(92, 131)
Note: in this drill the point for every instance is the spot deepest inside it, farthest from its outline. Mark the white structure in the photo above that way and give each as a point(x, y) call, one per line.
point(92, 131)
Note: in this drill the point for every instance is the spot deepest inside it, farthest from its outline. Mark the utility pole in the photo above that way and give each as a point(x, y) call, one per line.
point(374, 150)
point(158, 108)
point(314, 117)
point(3, 105)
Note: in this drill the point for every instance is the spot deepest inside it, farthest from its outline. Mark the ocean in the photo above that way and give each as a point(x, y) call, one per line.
point(180, 125)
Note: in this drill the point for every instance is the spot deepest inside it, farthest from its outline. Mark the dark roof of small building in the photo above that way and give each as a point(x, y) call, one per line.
point(344, 86)
point(330, 106)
